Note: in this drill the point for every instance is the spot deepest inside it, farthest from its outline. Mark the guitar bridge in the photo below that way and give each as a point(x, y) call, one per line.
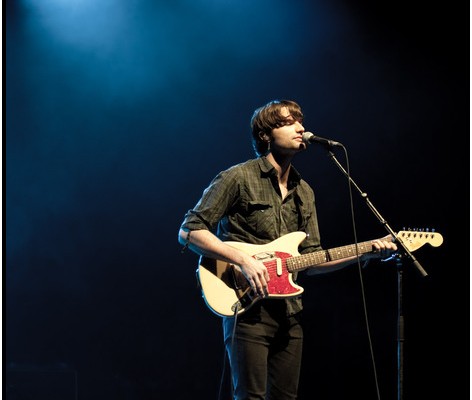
point(264, 256)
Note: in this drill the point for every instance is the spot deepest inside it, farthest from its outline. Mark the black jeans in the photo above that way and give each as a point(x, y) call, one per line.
point(265, 353)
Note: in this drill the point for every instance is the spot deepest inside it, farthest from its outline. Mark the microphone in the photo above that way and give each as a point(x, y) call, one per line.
point(309, 138)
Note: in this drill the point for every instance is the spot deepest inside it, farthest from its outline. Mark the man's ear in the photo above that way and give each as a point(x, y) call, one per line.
point(264, 136)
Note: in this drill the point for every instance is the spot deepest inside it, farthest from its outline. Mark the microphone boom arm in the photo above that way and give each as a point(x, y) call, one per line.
point(379, 217)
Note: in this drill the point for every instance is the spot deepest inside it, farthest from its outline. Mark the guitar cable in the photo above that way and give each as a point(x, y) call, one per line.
point(226, 356)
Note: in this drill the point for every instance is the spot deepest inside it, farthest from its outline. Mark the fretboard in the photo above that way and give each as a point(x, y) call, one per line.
point(303, 261)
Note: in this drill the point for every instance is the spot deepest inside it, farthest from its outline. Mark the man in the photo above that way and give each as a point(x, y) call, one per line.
point(257, 202)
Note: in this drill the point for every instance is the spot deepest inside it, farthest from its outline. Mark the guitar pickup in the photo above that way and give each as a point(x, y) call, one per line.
point(279, 266)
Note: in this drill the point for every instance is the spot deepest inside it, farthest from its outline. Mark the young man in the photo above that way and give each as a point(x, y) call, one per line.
point(257, 202)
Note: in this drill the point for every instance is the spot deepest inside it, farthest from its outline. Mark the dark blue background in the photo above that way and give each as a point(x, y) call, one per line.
point(118, 114)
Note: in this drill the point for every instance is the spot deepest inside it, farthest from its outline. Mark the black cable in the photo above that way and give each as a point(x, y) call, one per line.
point(226, 356)
point(361, 280)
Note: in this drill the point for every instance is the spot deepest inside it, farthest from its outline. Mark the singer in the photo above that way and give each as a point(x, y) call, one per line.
point(256, 202)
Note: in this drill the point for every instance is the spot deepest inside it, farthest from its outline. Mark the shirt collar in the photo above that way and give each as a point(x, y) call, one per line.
point(268, 169)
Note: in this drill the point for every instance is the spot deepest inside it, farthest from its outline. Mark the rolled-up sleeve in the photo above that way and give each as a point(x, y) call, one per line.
point(216, 199)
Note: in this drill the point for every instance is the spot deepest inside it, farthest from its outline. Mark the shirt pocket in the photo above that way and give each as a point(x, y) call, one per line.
point(261, 218)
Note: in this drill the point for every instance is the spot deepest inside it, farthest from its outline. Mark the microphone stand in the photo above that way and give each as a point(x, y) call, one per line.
point(406, 251)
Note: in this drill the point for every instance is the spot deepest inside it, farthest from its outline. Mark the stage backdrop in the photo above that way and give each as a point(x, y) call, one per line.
point(119, 113)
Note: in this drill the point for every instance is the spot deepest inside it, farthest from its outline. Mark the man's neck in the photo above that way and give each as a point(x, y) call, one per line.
point(282, 165)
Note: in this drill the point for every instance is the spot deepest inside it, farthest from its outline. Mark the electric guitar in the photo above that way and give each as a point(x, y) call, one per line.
point(227, 292)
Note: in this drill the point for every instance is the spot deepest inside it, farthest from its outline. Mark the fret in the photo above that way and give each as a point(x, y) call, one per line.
point(350, 250)
point(304, 261)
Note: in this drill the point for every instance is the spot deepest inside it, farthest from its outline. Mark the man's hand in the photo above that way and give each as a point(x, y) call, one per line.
point(257, 275)
point(382, 248)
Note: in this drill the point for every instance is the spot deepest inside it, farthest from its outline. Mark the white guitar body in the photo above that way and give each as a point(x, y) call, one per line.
point(217, 278)
point(227, 292)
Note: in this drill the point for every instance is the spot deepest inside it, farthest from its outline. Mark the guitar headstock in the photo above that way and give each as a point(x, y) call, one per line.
point(413, 240)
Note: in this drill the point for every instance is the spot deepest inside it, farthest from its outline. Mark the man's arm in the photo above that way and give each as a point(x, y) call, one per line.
point(205, 243)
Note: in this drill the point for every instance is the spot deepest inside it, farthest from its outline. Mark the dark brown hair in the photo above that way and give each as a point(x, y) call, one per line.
point(268, 117)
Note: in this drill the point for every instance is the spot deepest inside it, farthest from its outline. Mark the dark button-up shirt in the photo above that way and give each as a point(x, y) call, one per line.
point(244, 203)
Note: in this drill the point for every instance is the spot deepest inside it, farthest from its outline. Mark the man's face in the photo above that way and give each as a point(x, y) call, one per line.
point(288, 137)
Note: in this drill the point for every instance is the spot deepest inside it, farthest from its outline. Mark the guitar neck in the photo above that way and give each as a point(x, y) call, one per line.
point(304, 261)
